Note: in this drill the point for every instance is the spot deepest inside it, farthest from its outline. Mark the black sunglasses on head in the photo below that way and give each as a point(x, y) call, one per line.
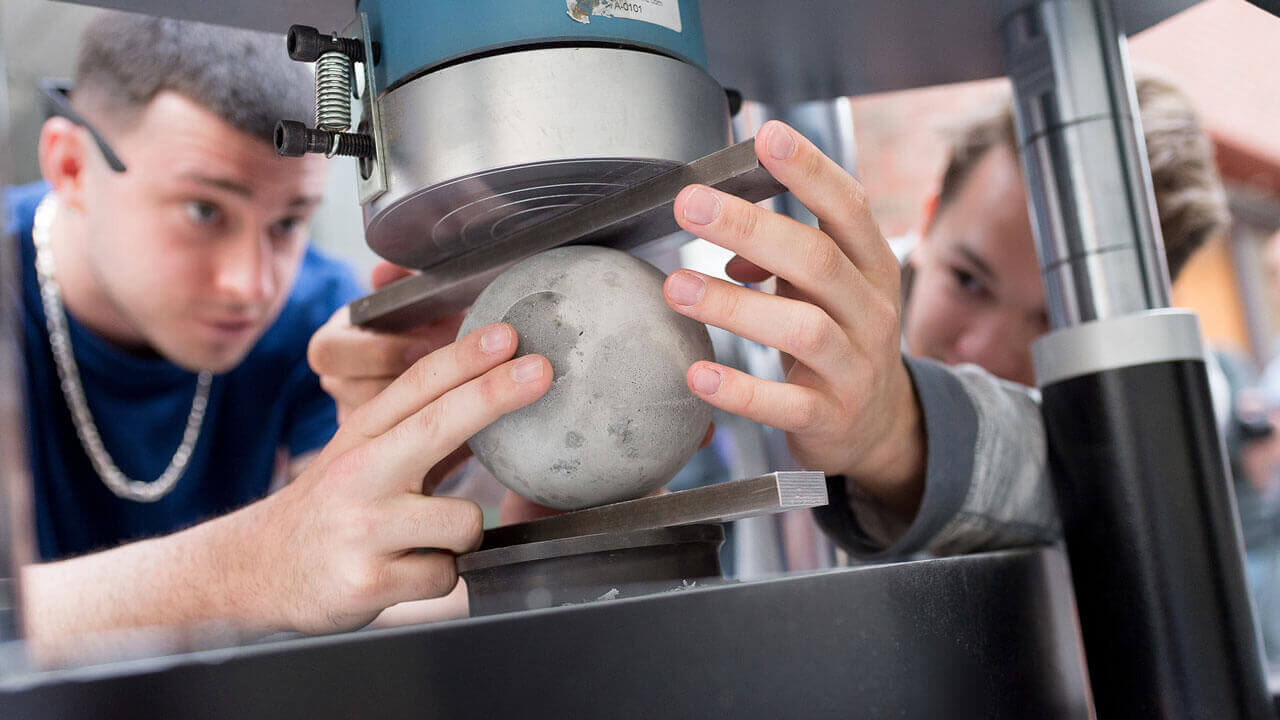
point(58, 95)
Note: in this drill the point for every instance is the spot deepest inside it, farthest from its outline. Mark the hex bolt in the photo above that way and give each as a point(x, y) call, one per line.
point(307, 44)
point(294, 139)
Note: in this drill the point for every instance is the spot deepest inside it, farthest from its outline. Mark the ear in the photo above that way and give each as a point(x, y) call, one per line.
point(63, 161)
point(928, 215)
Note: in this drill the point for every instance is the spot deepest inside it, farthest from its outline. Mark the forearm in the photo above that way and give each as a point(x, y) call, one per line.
point(896, 474)
point(985, 482)
point(204, 573)
point(1009, 499)
point(885, 489)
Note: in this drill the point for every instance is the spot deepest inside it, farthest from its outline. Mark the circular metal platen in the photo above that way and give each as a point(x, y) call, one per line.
point(486, 147)
point(470, 213)
point(590, 567)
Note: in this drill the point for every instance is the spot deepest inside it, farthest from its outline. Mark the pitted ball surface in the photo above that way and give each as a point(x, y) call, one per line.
point(619, 421)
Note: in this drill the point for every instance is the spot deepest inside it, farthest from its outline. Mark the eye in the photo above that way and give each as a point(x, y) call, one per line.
point(287, 227)
point(967, 281)
point(202, 212)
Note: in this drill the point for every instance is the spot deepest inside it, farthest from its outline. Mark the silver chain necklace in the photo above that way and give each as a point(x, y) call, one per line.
point(69, 378)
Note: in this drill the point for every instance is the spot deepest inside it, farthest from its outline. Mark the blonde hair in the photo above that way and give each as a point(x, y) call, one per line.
point(1190, 199)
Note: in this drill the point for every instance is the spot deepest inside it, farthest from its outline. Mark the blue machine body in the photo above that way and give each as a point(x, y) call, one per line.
point(418, 35)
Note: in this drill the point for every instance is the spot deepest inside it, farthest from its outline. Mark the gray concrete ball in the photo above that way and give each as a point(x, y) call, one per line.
point(619, 421)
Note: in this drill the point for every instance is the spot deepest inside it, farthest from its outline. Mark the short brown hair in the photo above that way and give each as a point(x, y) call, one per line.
point(1190, 198)
point(244, 77)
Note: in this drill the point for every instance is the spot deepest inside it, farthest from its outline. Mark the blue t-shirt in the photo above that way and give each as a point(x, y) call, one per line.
point(271, 401)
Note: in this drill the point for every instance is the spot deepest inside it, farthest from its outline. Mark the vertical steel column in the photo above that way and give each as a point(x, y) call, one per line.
point(1086, 164)
point(1139, 469)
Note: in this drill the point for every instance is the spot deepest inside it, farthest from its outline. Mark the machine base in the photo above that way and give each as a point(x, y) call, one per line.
point(982, 636)
point(626, 549)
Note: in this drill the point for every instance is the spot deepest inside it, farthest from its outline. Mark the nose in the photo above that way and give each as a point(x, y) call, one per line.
point(998, 345)
point(245, 271)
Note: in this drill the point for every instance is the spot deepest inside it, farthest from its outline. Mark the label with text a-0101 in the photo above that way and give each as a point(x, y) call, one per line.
point(659, 12)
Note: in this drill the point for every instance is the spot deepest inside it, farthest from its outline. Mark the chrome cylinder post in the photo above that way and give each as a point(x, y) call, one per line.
point(1101, 253)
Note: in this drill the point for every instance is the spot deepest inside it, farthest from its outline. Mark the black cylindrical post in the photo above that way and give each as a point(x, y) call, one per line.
point(1149, 520)
point(1144, 491)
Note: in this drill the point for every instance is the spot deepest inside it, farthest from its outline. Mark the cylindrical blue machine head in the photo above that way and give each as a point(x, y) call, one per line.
point(418, 36)
point(494, 115)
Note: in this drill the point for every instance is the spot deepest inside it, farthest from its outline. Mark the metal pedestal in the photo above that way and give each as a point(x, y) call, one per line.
point(592, 567)
point(625, 549)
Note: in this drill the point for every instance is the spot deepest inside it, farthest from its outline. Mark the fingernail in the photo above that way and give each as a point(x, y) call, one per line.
point(418, 350)
point(494, 340)
point(685, 288)
point(781, 143)
point(706, 381)
point(701, 207)
point(527, 369)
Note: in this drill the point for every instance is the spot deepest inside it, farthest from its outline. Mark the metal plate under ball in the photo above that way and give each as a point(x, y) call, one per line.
point(590, 567)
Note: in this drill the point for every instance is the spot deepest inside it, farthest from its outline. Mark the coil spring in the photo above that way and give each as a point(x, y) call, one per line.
point(333, 92)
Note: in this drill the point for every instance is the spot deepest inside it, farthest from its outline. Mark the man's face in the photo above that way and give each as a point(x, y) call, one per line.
point(976, 293)
point(197, 244)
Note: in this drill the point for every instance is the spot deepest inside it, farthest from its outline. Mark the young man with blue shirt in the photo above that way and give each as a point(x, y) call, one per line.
point(169, 295)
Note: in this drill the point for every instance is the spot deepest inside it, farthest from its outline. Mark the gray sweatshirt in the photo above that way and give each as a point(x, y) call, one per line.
point(986, 480)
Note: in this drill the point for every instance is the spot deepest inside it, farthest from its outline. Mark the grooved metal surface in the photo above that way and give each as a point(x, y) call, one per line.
point(485, 148)
point(624, 220)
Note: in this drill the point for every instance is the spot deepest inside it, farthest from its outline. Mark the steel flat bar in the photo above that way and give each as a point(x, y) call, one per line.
point(626, 219)
point(764, 495)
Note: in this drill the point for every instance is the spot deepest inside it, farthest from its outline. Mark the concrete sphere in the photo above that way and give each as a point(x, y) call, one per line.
point(619, 421)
